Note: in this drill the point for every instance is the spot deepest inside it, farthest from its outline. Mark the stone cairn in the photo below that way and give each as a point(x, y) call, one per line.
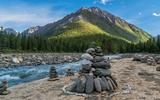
point(95, 75)
point(152, 60)
point(3, 88)
point(53, 74)
point(69, 72)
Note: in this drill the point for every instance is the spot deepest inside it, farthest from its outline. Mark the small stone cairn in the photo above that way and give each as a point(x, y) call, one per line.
point(95, 75)
point(152, 60)
point(69, 72)
point(53, 74)
point(3, 88)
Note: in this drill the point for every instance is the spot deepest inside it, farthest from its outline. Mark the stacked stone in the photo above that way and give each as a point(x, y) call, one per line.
point(149, 59)
point(53, 74)
point(95, 74)
point(70, 72)
point(3, 88)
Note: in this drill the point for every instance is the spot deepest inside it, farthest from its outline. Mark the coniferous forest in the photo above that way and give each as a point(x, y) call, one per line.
point(37, 43)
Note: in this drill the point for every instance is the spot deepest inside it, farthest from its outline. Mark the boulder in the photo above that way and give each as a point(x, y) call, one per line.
point(98, 59)
point(102, 72)
point(158, 68)
point(86, 68)
point(99, 54)
point(74, 86)
point(97, 85)
point(81, 83)
point(102, 64)
point(53, 74)
point(151, 61)
point(3, 88)
point(103, 84)
point(157, 59)
point(69, 72)
point(110, 84)
point(87, 56)
point(137, 58)
point(89, 84)
point(98, 49)
point(144, 59)
point(113, 83)
point(90, 51)
point(15, 60)
point(106, 83)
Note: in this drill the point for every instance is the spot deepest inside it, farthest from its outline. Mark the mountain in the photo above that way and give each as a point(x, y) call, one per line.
point(88, 22)
point(31, 30)
point(8, 30)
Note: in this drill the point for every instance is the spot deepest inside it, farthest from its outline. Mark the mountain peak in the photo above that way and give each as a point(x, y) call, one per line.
point(91, 18)
point(90, 9)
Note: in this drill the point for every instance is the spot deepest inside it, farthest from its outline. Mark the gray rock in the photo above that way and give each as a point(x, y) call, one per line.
point(86, 68)
point(110, 85)
point(98, 59)
point(91, 51)
point(97, 85)
point(98, 49)
point(87, 56)
point(112, 82)
point(103, 84)
point(102, 64)
point(102, 72)
point(70, 72)
point(53, 73)
point(106, 84)
point(81, 83)
point(89, 84)
point(3, 88)
point(137, 58)
point(158, 68)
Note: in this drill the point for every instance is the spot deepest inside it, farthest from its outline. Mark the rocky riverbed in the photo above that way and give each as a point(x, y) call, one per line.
point(136, 80)
point(28, 59)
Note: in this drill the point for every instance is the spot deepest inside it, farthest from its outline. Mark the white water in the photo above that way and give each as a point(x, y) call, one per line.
point(24, 74)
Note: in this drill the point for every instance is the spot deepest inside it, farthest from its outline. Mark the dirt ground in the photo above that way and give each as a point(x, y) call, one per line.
point(137, 81)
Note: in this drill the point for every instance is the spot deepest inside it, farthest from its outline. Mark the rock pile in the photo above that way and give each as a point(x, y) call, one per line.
point(29, 59)
point(95, 74)
point(53, 74)
point(149, 59)
point(152, 60)
point(158, 68)
point(3, 88)
point(69, 72)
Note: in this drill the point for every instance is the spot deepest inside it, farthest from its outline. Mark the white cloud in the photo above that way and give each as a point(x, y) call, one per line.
point(29, 15)
point(156, 14)
point(104, 1)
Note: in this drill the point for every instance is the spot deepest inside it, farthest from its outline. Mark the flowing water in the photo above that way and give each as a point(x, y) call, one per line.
point(23, 74)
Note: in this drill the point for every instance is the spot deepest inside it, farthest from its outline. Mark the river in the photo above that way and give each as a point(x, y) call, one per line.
point(23, 74)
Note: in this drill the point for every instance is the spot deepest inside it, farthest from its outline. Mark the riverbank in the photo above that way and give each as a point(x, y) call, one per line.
point(137, 81)
point(32, 59)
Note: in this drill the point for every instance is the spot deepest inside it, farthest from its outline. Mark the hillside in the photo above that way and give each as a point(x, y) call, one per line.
point(92, 21)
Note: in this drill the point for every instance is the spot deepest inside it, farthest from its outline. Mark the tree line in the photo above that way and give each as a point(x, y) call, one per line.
point(37, 43)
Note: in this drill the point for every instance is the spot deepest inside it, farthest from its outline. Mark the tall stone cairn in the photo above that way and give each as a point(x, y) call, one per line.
point(95, 74)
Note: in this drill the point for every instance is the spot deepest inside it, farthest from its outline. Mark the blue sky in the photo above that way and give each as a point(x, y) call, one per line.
point(22, 14)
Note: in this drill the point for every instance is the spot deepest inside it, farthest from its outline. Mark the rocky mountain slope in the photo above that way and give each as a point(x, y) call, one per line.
point(89, 21)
